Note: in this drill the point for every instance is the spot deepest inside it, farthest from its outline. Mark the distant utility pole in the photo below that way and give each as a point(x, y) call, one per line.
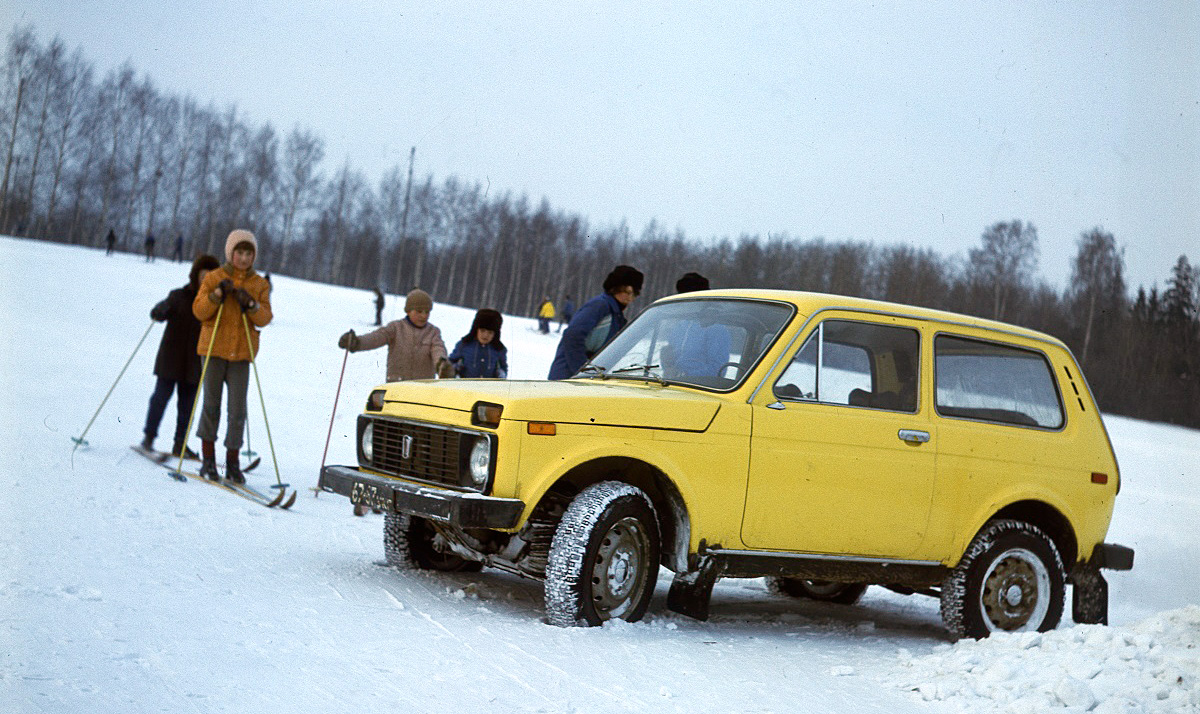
point(400, 289)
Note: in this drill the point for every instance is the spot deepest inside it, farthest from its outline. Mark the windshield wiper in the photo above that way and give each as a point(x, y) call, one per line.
point(645, 372)
point(594, 369)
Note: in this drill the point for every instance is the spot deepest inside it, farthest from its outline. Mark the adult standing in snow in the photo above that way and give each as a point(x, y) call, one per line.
point(695, 348)
point(597, 322)
point(234, 290)
point(178, 254)
point(480, 353)
point(177, 365)
point(149, 247)
point(568, 311)
point(111, 241)
point(415, 347)
point(545, 315)
point(378, 307)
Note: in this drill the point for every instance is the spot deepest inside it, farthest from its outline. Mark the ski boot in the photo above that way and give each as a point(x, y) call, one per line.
point(148, 443)
point(187, 453)
point(233, 470)
point(208, 465)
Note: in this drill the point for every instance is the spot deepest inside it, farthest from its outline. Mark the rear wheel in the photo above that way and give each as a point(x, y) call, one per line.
point(1011, 579)
point(411, 542)
point(823, 590)
point(604, 557)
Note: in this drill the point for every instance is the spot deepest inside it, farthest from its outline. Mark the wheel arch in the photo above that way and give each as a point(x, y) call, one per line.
point(674, 523)
point(1049, 520)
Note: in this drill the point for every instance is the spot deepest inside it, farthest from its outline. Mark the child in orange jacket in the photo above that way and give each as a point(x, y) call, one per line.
point(234, 290)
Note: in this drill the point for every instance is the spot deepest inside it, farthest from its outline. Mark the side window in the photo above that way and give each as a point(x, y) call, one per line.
point(984, 380)
point(858, 364)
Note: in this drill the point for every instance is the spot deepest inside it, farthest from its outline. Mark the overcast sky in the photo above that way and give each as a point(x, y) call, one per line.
point(920, 123)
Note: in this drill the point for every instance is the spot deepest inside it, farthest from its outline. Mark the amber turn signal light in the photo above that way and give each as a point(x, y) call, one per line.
point(542, 428)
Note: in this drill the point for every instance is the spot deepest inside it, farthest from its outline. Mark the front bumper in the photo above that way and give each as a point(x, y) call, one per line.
point(458, 508)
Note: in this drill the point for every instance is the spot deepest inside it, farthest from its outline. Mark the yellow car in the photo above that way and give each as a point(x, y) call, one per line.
point(826, 443)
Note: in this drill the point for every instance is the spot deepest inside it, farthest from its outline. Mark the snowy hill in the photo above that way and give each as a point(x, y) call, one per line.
point(124, 591)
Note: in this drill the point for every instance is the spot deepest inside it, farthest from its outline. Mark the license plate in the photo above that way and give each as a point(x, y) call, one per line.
point(375, 497)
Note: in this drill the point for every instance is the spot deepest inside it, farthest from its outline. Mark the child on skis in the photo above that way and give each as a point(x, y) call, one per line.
point(480, 353)
point(234, 302)
point(177, 365)
point(415, 347)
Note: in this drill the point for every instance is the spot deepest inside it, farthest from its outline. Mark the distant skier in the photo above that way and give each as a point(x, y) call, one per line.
point(597, 322)
point(111, 241)
point(178, 254)
point(177, 365)
point(480, 353)
point(545, 315)
point(415, 347)
point(568, 311)
point(235, 290)
point(378, 307)
point(149, 247)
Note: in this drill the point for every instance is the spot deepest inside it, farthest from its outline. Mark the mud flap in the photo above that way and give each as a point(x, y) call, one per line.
point(1089, 596)
point(691, 592)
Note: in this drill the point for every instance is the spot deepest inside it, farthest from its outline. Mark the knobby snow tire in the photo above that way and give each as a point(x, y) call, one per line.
point(1011, 578)
point(408, 544)
point(604, 557)
point(822, 590)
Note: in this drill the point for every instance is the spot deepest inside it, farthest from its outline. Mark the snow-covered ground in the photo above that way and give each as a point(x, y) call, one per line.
point(124, 591)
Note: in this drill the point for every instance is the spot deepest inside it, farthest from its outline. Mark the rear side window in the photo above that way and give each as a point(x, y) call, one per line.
point(857, 364)
point(991, 382)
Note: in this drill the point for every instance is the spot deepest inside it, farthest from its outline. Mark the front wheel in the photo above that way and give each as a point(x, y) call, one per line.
point(823, 590)
point(1011, 579)
point(410, 542)
point(604, 557)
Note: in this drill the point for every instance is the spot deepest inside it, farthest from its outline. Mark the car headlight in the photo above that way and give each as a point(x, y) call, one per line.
point(368, 441)
point(480, 462)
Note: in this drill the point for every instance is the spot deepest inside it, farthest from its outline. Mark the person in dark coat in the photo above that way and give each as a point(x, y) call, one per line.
point(177, 365)
point(150, 247)
point(111, 241)
point(378, 307)
point(178, 254)
point(568, 311)
point(597, 322)
point(480, 353)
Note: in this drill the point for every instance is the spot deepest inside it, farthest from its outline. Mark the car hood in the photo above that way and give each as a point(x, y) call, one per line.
point(610, 403)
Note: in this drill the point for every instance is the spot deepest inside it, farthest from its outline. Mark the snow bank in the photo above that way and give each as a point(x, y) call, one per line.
point(1151, 666)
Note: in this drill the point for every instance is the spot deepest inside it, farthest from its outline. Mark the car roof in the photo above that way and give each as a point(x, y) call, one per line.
point(809, 303)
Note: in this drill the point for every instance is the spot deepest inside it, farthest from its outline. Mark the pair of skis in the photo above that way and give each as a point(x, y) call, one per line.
point(239, 489)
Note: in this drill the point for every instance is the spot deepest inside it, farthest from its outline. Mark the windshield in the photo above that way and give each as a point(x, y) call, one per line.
point(712, 343)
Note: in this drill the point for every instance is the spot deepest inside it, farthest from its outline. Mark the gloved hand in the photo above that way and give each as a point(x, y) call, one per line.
point(223, 288)
point(245, 299)
point(445, 368)
point(349, 341)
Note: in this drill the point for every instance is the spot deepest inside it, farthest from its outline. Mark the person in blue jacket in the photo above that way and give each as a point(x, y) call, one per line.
point(480, 353)
point(596, 322)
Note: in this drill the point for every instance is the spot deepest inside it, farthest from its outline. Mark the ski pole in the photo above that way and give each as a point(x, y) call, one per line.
point(258, 383)
point(79, 440)
point(249, 452)
point(203, 372)
point(332, 414)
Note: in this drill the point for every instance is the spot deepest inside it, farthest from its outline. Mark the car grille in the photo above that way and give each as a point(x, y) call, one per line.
point(434, 454)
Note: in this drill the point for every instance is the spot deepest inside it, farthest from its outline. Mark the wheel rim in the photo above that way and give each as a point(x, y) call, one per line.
point(619, 572)
point(1015, 596)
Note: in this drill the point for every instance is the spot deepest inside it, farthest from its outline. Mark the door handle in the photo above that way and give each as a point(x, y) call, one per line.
point(913, 436)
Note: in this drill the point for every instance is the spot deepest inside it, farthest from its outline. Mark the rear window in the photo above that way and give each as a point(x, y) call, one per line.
point(991, 382)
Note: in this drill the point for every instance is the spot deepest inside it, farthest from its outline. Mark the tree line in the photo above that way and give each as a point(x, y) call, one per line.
point(83, 155)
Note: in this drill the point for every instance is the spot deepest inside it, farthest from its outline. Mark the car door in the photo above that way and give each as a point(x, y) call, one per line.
point(842, 459)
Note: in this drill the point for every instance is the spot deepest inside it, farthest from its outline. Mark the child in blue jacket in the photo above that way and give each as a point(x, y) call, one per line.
point(481, 354)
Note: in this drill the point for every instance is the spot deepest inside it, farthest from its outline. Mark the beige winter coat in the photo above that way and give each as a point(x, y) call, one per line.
point(413, 352)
